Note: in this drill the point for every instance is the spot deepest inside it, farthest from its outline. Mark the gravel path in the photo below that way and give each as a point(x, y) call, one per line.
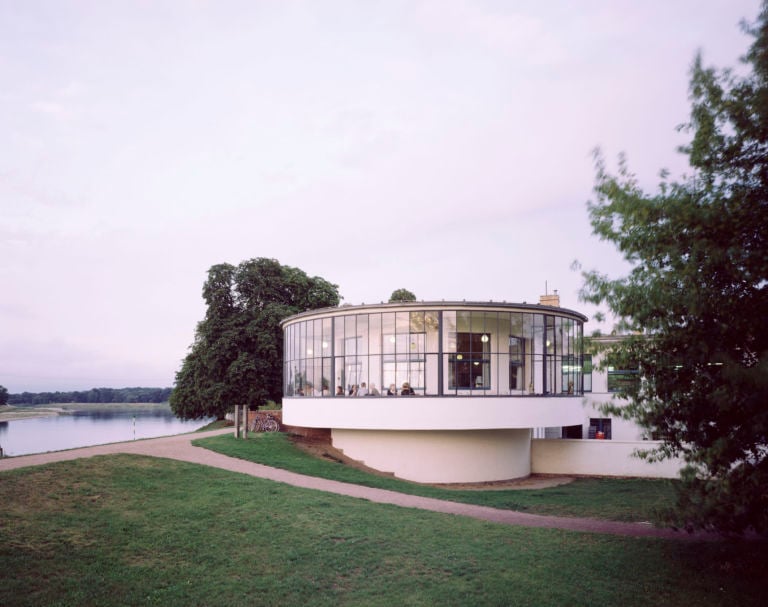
point(180, 447)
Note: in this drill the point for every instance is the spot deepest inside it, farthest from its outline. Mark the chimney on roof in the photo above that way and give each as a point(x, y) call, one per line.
point(550, 300)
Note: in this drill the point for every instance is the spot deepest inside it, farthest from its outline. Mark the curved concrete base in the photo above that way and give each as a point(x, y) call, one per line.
point(466, 456)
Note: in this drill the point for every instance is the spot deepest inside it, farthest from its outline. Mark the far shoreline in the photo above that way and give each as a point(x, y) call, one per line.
point(12, 413)
point(21, 412)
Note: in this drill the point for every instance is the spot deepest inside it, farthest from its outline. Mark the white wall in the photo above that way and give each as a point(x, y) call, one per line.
point(432, 413)
point(597, 458)
point(621, 429)
point(441, 457)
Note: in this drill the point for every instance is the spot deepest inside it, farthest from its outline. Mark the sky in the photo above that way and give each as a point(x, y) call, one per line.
point(442, 146)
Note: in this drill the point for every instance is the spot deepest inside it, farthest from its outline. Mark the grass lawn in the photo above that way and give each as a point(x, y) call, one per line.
point(615, 499)
point(130, 530)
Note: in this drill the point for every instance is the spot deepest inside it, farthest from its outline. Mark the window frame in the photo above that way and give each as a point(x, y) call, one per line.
point(470, 359)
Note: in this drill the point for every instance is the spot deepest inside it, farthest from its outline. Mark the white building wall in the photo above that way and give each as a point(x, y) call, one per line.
point(614, 457)
point(621, 429)
point(598, 458)
point(440, 456)
point(432, 413)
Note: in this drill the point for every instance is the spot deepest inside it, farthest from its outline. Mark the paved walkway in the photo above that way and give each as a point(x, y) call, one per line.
point(180, 448)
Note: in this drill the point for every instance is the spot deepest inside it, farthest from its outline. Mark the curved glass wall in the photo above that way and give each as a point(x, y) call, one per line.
point(449, 352)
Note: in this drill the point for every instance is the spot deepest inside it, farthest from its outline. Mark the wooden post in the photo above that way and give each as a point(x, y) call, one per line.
point(245, 421)
point(237, 421)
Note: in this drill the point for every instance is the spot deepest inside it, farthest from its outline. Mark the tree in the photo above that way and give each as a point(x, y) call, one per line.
point(236, 357)
point(3, 395)
point(401, 295)
point(695, 302)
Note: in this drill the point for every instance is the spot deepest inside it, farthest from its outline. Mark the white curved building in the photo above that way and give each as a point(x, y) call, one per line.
point(482, 376)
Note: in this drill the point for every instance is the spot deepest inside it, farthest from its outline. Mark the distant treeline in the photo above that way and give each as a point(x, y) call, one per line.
point(94, 395)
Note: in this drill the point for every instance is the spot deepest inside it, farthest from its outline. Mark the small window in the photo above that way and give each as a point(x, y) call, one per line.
point(573, 431)
point(600, 428)
point(621, 380)
point(586, 370)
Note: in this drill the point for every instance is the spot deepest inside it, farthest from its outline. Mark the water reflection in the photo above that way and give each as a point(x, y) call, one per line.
point(86, 428)
point(119, 413)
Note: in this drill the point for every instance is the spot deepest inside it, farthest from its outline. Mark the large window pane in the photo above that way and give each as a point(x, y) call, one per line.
point(374, 375)
point(388, 335)
point(416, 322)
point(449, 331)
point(362, 332)
point(431, 327)
point(374, 333)
point(338, 334)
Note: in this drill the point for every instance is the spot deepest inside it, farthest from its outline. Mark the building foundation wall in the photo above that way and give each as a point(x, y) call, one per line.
point(598, 458)
point(441, 456)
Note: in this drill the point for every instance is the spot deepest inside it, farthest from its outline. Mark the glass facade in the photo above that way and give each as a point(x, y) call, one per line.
point(493, 350)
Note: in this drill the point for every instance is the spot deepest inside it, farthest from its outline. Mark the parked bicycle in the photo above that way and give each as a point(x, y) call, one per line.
point(264, 422)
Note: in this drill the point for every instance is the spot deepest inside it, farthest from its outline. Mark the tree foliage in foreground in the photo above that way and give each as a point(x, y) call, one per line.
point(401, 295)
point(237, 355)
point(698, 294)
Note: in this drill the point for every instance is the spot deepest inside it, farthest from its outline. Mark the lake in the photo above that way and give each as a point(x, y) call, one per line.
point(89, 427)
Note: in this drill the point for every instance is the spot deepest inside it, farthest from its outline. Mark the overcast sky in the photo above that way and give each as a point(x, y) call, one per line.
point(440, 146)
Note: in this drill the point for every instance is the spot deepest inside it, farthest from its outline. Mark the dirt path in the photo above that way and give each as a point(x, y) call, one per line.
point(180, 448)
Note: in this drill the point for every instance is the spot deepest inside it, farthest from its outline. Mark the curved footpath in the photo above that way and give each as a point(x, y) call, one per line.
point(180, 447)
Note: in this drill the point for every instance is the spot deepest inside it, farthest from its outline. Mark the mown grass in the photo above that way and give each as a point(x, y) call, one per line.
point(130, 530)
point(615, 499)
point(216, 424)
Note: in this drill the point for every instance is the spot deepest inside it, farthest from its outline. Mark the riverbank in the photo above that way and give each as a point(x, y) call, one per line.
point(18, 412)
point(12, 413)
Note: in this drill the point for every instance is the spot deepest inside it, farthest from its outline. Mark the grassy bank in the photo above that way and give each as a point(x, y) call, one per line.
point(616, 499)
point(127, 530)
point(12, 412)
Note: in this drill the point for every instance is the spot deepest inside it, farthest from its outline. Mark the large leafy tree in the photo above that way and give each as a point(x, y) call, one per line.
point(696, 299)
point(3, 395)
point(236, 358)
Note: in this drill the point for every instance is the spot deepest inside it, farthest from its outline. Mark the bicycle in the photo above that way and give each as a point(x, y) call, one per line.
point(264, 423)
